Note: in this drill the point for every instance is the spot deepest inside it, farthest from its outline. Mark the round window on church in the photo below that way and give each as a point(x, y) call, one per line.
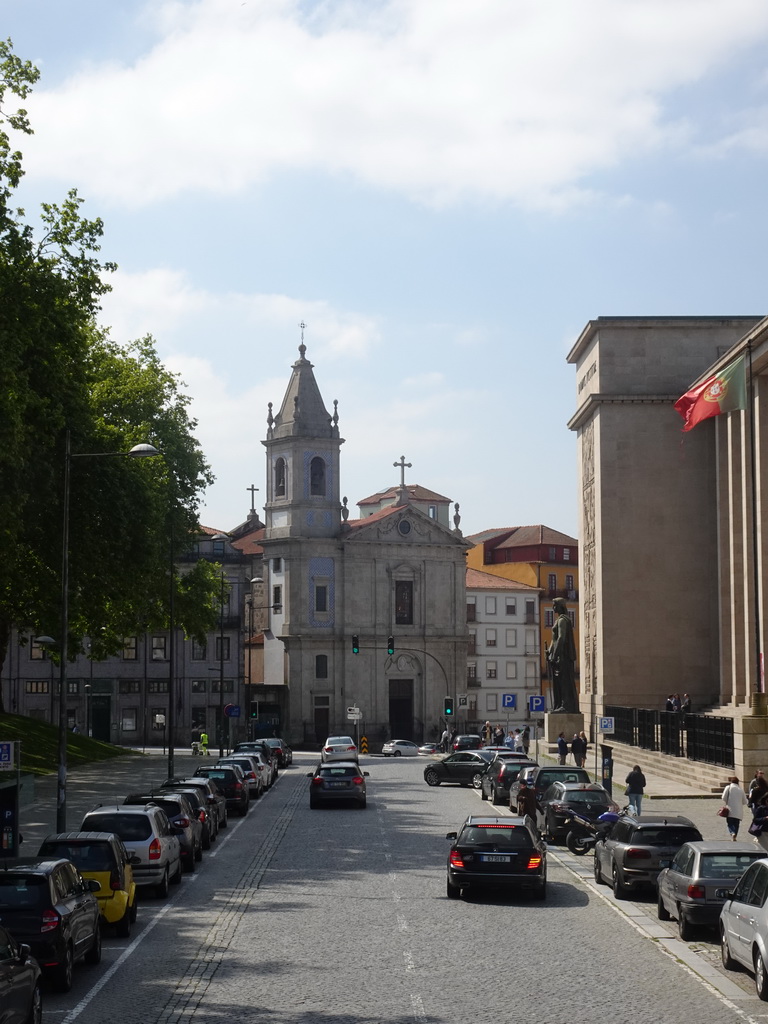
point(404, 527)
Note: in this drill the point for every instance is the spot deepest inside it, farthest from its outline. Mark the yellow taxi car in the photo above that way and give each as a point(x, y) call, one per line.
point(103, 857)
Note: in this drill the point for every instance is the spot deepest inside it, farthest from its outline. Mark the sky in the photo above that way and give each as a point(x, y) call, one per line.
point(444, 192)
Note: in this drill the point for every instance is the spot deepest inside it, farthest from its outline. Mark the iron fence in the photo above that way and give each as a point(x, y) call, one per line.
point(624, 724)
point(710, 739)
point(706, 738)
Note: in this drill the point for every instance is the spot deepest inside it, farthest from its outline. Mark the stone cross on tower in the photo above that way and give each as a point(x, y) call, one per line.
point(253, 490)
point(403, 497)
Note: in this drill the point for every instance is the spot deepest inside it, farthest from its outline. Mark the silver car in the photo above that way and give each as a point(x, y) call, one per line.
point(744, 925)
point(339, 748)
point(692, 889)
point(147, 832)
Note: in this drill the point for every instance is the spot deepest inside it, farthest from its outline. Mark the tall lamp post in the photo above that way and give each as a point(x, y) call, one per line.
point(138, 451)
point(221, 537)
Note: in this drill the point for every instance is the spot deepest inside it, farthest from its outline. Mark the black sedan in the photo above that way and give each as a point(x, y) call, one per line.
point(21, 1000)
point(496, 853)
point(465, 768)
point(585, 798)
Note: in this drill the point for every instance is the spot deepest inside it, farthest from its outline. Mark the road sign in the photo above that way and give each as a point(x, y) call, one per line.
point(355, 716)
point(463, 700)
point(6, 756)
point(352, 710)
point(232, 710)
point(509, 700)
point(606, 724)
point(537, 704)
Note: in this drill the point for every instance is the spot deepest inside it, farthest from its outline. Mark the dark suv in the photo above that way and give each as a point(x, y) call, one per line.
point(542, 778)
point(231, 781)
point(499, 776)
point(636, 849)
point(49, 906)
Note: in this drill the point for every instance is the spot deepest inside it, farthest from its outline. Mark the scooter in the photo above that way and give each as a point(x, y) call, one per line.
point(582, 839)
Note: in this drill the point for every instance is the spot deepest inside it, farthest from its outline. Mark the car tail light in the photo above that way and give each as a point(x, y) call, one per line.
point(238, 787)
point(534, 862)
point(558, 807)
point(201, 815)
point(182, 822)
point(50, 921)
point(500, 776)
point(155, 850)
point(328, 750)
point(358, 780)
point(696, 892)
point(455, 859)
point(352, 747)
point(317, 781)
point(635, 853)
point(114, 880)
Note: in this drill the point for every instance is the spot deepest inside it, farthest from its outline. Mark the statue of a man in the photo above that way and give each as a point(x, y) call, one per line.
point(561, 655)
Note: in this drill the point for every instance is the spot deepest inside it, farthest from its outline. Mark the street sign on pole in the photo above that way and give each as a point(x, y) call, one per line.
point(537, 704)
point(7, 762)
point(606, 725)
point(463, 700)
point(509, 700)
point(232, 710)
point(355, 715)
point(351, 711)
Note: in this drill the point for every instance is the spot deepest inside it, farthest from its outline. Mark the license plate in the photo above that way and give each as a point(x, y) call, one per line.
point(336, 785)
point(494, 858)
point(721, 894)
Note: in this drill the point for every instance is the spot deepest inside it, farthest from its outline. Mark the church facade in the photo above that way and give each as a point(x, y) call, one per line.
point(365, 613)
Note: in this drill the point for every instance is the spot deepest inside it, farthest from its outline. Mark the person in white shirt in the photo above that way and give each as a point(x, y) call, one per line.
point(735, 800)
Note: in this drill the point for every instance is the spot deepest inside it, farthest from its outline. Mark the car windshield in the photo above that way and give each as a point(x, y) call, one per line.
point(131, 828)
point(85, 856)
point(213, 773)
point(340, 741)
point(21, 891)
point(665, 836)
point(496, 835)
point(545, 779)
point(726, 865)
point(585, 796)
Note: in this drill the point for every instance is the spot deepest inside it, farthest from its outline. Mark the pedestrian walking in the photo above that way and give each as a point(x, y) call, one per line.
point(518, 741)
point(487, 734)
point(525, 802)
point(204, 743)
point(585, 748)
point(759, 826)
point(498, 736)
point(510, 740)
point(562, 748)
point(758, 789)
point(635, 788)
point(734, 800)
point(445, 740)
point(526, 738)
point(578, 751)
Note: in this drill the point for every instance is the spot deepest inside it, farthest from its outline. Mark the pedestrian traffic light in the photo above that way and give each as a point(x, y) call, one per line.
point(254, 709)
point(355, 644)
point(448, 707)
point(390, 645)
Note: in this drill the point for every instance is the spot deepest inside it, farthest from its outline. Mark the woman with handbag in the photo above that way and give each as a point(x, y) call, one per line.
point(734, 801)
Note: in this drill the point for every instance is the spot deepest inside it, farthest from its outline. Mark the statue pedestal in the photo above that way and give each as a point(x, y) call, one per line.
point(568, 722)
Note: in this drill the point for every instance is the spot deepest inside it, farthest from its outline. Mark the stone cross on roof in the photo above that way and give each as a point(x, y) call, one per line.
point(403, 496)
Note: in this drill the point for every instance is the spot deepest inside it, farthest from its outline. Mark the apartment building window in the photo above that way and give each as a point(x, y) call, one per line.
point(510, 606)
point(222, 648)
point(199, 651)
point(490, 606)
point(569, 583)
point(36, 651)
point(491, 670)
point(491, 702)
point(321, 597)
point(472, 642)
point(199, 686)
point(511, 670)
point(432, 511)
point(158, 648)
point(129, 686)
point(73, 686)
point(321, 666)
point(37, 686)
point(552, 554)
point(218, 547)
point(572, 617)
point(229, 686)
point(277, 598)
point(157, 686)
point(566, 554)
point(129, 720)
point(551, 583)
point(277, 565)
point(531, 671)
point(404, 602)
point(530, 613)
point(471, 610)
point(490, 638)
point(549, 618)
point(130, 648)
point(511, 638)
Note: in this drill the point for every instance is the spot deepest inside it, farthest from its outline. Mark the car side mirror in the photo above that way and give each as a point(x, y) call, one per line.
point(451, 835)
point(310, 774)
point(367, 774)
point(92, 885)
point(24, 953)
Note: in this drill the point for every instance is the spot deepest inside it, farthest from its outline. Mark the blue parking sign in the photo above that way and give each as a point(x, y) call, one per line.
point(6, 756)
point(537, 704)
point(509, 700)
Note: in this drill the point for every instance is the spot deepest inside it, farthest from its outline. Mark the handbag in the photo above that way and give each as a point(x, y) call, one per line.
point(755, 829)
point(722, 812)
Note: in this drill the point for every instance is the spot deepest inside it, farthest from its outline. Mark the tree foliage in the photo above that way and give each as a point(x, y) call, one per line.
point(61, 372)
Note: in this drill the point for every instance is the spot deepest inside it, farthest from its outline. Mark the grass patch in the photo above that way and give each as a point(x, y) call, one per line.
point(40, 745)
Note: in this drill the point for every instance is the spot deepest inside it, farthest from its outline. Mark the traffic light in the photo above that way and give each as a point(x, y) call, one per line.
point(254, 709)
point(390, 645)
point(448, 707)
point(355, 644)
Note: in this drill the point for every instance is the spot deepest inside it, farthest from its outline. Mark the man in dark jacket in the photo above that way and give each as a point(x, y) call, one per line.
point(526, 801)
point(579, 750)
point(562, 748)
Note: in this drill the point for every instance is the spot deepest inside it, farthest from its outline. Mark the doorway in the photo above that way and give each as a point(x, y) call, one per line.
point(401, 709)
point(101, 716)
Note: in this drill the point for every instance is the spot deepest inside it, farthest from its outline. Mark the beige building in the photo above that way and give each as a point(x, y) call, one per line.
point(669, 582)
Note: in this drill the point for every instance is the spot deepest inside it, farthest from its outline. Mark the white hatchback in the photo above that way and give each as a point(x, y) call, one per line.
point(400, 748)
point(339, 748)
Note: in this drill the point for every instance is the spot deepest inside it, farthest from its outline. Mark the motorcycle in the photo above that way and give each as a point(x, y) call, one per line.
point(582, 839)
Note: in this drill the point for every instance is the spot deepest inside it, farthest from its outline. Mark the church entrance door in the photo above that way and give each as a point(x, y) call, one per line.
point(401, 709)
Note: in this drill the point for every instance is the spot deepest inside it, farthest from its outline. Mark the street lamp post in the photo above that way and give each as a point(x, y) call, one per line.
point(138, 451)
point(87, 709)
point(221, 668)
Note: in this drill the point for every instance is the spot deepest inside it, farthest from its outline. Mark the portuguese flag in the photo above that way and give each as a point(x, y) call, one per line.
point(723, 392)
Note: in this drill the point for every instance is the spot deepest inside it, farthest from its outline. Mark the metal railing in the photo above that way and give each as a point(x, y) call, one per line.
point(706, 738)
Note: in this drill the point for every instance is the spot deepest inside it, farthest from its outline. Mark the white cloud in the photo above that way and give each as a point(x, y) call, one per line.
point(439, 101)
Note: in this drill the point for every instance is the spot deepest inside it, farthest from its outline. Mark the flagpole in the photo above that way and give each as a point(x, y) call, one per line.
point(758, 698)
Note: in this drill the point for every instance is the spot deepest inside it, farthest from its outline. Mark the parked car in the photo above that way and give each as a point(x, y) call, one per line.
point(103, 858)
point(586, 798)
point(464, 768)
point(496, 853)
point(692, 889)
point(267, 752)
point(744, 925)
point(517, 755)
point(339, 748)
point(184, 820)
point(251, 769)
point(499, 776)
point(429, 748)
point(339, 781)
point(49, 906)
point(400, 748)
point(20, 982)
point(469, 741)
point(213, 797)
point(282, 751)
point(542, 777)
point(147, 832)
point(636, 849)
point(231, 782)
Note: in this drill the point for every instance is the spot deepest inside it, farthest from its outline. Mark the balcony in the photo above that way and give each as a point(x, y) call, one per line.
point(473, 680)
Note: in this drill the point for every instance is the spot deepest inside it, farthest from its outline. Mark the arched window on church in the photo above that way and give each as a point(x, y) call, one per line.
point(280, 478)
point(317, 476)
